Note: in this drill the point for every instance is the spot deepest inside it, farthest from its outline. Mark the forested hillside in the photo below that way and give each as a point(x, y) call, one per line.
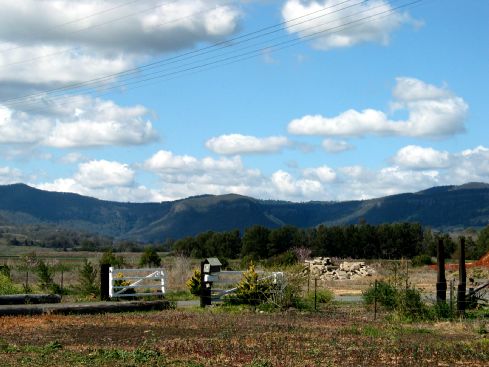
point(444, 208)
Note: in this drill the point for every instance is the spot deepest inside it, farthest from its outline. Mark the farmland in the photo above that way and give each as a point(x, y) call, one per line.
point(338, 335)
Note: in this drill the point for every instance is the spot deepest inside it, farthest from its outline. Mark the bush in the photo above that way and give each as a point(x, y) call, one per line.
point(108, 258)
point(421, 260)
point(45, 274)
point(150, 258)
point(287, 258)
point(6, 285)
point(194, 284)
point(250, 291)
point(385, 295)
point(87, 279)
point(406, 302)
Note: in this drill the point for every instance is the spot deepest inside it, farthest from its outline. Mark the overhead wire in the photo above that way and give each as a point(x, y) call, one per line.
point(253, 53)
point(197, 52)
point(97, 25)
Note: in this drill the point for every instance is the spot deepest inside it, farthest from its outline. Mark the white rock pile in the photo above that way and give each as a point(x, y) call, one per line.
point(324, 269)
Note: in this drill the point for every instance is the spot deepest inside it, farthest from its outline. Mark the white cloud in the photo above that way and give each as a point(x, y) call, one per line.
point(298, 189)
point(73, 157)
point(10, 175)
point(417, 157)
point(140, 27)
point(244, 144)
point(324, 174)
point(80, 121)
point(336, 146)
point(335, 21)
point(102, 173)
point(433, 113)
point(55, 43)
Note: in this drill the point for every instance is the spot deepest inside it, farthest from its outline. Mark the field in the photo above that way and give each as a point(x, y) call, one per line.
point(338, 334)
point(343, 335)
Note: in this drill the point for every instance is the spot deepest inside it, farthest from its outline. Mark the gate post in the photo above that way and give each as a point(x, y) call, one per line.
point(441, 282)
point(205, 287)
point(104, 282)
point(462, 277)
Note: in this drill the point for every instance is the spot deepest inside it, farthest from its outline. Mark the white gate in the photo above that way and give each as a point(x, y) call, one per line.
point(136, 282)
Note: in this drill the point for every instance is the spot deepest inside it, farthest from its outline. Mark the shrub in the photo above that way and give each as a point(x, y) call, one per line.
point(6, 285)
point(406, 302)
point(108, 258)
point(250, 291)
point(150, 258)
point(87, 279)
point(421, 260)
point(284, 259)
point(45, 274)
point(194, 284)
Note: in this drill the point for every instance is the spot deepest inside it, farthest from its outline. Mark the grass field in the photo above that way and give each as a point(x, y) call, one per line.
point(343, 335)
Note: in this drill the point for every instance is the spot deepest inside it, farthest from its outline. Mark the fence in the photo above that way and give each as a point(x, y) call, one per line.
point(224, 278)
point(126, 282)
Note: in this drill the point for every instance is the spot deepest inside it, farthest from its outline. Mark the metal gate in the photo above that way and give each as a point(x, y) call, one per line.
point(136, 282)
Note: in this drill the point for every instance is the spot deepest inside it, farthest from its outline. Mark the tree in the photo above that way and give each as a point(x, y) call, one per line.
point(108, 258)
point(87, 279)
point(150, 258)
point(255, 242)
point(483, 241)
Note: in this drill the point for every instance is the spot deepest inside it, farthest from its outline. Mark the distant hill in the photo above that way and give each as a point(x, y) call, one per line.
point(446, 207)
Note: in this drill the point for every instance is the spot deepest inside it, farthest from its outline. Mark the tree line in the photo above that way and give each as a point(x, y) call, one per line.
point(385, 241)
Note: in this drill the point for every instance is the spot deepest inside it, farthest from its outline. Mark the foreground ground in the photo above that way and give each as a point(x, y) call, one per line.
point(337, 336)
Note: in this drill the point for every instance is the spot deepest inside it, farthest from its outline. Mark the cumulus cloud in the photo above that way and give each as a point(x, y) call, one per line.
point(336, 146)
point(10, 175)
point(140, 26)
point(108, 180)
point(433, 112)
point(417, 157)
point(233, 144)
point(96, 174)
point(55, 43)
point(79, 121)
point(323, 174)
point(334, 19)
point(299, 189)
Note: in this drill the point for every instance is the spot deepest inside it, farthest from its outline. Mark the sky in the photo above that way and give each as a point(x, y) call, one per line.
point(324, 100)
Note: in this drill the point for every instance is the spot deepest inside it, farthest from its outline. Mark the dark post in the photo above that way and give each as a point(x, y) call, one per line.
point(441, 281)
point(462, 277)
point(205, 288)
point(104, 282)
point(315, 293)
point(375, 300)
point(202, 285)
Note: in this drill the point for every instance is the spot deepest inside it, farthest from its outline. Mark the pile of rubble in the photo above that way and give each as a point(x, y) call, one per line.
point(324, 269)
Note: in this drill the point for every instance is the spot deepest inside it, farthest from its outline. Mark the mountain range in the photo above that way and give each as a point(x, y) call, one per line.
point(443, 208)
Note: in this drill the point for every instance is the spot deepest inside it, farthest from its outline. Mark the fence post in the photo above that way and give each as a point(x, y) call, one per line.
point(375, 300)
point(441, 281)
point(462, 277)
point(104, 282)
point(315, 293)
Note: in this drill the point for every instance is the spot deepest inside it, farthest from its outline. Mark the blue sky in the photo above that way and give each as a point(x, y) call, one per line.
point(369, 98)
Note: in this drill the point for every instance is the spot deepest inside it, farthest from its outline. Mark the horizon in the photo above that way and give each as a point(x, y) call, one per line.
point(245, 196)
point(290, 100)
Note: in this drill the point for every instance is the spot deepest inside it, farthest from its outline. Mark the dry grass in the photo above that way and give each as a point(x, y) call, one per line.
point(344, 336)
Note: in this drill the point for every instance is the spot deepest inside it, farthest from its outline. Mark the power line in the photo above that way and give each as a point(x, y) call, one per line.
point(100, 24)
point(187, 69)
point(203, 50)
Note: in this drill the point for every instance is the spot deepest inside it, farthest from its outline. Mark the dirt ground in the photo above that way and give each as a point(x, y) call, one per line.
point(343, 335)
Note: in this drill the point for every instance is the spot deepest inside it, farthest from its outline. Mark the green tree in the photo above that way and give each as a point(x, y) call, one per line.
point(255, 242)
point(483, 242)
point(150, 258)
point(108, 258)
point(87, 277)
